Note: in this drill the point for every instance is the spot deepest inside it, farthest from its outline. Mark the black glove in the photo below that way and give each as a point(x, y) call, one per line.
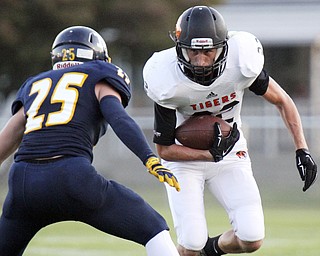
point(223, 145)
point(307, 167)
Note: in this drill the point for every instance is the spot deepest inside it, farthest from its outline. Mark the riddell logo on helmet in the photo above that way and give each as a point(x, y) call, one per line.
point(67, 64)
point(201, 42)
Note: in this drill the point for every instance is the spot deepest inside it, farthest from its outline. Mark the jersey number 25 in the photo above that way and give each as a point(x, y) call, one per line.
point(63, 93)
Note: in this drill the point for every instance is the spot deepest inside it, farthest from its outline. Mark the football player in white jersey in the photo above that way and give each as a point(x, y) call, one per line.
point(208, 71)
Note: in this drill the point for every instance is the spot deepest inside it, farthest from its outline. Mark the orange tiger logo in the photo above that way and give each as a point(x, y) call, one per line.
point(242, 154)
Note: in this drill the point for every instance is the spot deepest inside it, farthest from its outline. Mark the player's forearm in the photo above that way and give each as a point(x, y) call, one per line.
point(288, 110)
point(176, 152)
point(291, 118)
point(7, 148)
point(11, 135)
point(125, 127)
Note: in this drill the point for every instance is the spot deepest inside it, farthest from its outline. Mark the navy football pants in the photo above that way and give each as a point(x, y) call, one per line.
point(70, 189)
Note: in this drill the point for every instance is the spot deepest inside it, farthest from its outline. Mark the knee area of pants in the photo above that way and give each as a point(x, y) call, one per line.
point(251, 235)
point(194, 244)
point(249, 247)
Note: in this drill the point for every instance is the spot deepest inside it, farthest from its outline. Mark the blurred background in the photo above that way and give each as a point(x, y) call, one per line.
point(289, 31)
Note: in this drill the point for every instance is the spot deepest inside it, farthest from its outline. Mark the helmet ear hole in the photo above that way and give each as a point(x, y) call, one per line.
point(90, 40)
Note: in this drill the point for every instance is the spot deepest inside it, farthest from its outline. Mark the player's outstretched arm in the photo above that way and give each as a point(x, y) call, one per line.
point(131, 134)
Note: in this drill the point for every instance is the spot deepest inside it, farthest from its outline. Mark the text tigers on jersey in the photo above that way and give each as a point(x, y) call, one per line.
point(214, 102)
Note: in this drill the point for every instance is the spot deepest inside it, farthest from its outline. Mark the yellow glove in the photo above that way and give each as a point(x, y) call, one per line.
point(161, 173)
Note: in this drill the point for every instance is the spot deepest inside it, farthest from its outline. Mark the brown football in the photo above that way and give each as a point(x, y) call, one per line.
point(197, 131)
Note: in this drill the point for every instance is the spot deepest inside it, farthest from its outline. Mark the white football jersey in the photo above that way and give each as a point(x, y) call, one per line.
point(169, 87)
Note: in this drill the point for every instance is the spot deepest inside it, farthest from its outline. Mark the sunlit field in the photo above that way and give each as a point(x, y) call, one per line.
point(290, 230)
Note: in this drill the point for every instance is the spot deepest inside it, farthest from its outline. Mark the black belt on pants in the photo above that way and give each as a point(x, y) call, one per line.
point(45, 161)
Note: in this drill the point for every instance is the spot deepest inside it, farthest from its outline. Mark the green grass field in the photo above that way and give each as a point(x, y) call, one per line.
point(290, 230)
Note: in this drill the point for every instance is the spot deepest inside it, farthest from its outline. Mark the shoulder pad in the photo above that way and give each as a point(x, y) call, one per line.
point(118, 79)
point(158, 75)
point(249, 51)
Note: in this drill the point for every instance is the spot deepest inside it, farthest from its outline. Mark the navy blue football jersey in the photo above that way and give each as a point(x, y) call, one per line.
point(62, 111)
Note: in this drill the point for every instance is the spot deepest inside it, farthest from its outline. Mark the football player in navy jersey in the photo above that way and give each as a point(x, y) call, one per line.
point(58, 116)
point(208, 71)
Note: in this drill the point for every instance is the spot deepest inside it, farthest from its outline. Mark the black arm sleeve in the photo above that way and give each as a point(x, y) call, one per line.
point(164, 125)
point(125, 127)
point(260, 85)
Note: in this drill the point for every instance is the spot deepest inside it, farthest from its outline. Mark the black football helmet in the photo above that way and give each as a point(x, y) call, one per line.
point(78, 44)
point(201, 27)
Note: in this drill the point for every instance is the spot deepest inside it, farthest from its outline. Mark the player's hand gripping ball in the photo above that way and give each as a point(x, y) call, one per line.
point(198, 131)
point(223, 145)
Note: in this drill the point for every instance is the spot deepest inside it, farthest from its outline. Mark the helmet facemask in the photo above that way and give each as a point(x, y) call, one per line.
point(204, 75)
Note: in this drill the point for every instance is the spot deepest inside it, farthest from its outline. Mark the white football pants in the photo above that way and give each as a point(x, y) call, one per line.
point(231, 181)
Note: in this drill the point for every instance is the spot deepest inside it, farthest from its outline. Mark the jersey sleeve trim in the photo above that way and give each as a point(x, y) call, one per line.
point(16, 105)
point(124, 90)
point(260, 85)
